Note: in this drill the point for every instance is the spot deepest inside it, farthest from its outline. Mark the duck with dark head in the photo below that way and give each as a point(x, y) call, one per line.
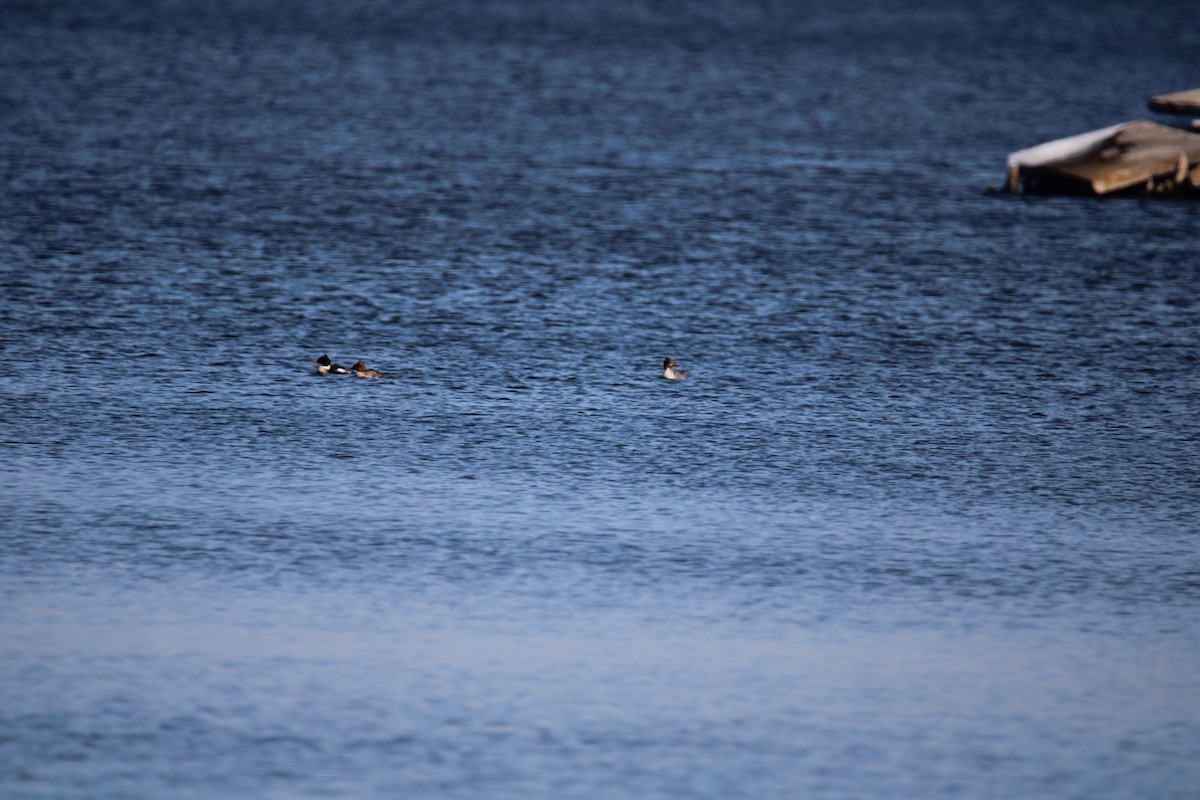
point(670, 373)
point(327, 367)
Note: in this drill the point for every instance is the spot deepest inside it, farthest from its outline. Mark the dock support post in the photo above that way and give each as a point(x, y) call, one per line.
point(1013, 183)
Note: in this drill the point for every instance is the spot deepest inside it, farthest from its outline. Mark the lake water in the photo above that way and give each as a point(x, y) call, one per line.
point(922, 523)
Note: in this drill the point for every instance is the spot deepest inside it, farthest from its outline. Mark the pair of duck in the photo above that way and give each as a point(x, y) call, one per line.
point(359, 370)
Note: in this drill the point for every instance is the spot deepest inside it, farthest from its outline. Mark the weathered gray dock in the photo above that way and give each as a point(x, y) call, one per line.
point(1182, 103)
point(1139, 157)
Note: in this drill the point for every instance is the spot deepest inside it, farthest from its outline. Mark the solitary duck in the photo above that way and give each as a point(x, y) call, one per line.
point(670, 373)
point(327, 367)
point(361, 371)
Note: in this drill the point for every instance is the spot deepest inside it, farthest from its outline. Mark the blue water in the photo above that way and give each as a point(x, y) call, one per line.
point(922, 523)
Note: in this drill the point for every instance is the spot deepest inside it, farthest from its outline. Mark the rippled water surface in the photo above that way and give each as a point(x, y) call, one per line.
point(922, 523)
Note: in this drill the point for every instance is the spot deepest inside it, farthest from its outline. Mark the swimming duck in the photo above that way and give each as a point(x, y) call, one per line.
point(670, 373)
point(361, 371)
point(327, 367)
